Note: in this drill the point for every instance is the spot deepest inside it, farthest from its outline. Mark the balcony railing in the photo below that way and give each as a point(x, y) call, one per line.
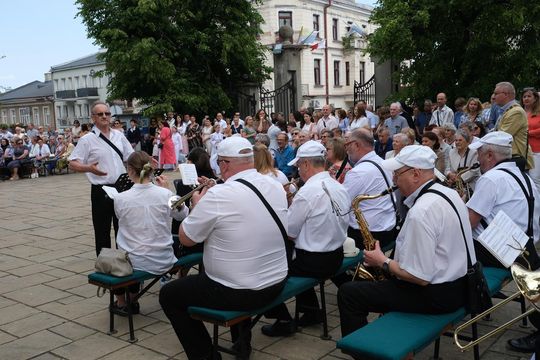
point(86, 92)
point(65, 94)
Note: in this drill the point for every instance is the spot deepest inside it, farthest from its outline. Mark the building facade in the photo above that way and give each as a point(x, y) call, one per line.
point(326, 75)
point(76, 86)
point(30, 103)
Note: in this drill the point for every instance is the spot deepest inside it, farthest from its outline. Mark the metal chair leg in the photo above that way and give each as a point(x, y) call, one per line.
point(325, 335)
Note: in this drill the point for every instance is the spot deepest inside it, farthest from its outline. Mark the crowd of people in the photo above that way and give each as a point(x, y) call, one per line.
point(281, 205)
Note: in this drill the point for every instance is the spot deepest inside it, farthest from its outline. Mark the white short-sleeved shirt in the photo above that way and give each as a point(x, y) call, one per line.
point(362, 122)
point(441, 117)
point(430, 245)
point(144, 227)
point(315, 225)
point(496, 190)
point(40, 151)
point(363, 179)
point(272, 133)
point(329, 123)
point(243, 246)
point(91, 149)
point(395, 125)
point(280, 177)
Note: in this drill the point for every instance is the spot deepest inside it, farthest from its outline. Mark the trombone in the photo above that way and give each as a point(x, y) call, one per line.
point(528, 284)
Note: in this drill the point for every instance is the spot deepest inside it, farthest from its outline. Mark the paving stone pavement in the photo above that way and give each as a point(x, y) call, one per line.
point(49, 311)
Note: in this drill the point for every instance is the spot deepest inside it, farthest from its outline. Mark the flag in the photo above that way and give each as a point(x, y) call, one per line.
point(355, 29)
point(302, 35)
point(310, 39)
point(318, 45)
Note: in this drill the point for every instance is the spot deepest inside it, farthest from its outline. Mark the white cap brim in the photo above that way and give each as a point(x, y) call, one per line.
point(392, 164)
point(293, 161)
point(476, 145)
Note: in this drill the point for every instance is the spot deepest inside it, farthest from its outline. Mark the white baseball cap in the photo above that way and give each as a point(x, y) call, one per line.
point(309, 149)
point(235, 147)
point(500, 138)
point(414, 156)
point(349, 248)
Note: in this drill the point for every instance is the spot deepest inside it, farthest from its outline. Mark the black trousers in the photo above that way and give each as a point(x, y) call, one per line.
point(385, 237)
point(356, 299)
point(320, 265)
point(199, 290)
point(102, 215)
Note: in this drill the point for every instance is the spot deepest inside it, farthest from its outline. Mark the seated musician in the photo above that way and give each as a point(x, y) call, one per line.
point(144, 221)
point(495, 157)
point(244, 250)
point(318, 231)
point(427, 272)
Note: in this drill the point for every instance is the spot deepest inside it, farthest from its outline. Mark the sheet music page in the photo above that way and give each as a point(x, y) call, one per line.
point(188, 173)
point(501, 237)
point(110, 191)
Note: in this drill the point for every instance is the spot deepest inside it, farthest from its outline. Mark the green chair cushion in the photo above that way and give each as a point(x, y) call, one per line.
point(138, 275)
point(495, 278)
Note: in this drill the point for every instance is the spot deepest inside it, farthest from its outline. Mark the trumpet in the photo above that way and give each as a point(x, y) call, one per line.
point(176, 202)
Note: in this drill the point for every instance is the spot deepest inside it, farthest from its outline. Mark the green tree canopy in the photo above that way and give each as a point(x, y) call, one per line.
point(187, 55)
point(460, 47)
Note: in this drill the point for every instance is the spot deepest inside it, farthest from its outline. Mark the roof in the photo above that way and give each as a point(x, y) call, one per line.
point(30, 90)
point(81, 62)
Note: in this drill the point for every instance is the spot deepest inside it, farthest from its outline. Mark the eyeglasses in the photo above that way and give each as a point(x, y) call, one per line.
point(116, 123)
point(219, 161)
point(397, 174)
point(100, 114)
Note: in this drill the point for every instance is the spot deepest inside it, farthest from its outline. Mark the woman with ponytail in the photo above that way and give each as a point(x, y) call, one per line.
point(144, 224)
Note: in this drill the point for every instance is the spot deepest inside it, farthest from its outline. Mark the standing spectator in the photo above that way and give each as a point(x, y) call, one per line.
point(283, 155)
point(75, 131)
point(442, 114)
point(236, 126)
point(177, 141)
point(216, 138)
point(206, 134)
point(472, 111)
point(424, 117)
point(167, 157)
point(221, 122)
point(343, 119)
point(249, 131)
point(327, 121)
point(530, 100)
point(273, 131)
point(171, 119)
point(134, 135)
point(514, 122)
point(360, 119)
point(101, 154)
point(395, 122)
point(262, 122)
point(309, 126)
point(459, 104)
point(193, 134)
point(31, 131)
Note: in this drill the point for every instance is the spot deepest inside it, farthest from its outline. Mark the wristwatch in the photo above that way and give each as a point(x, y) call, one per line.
point(386, 265)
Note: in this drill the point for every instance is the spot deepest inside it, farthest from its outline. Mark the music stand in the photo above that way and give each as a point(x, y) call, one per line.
point(124, 183)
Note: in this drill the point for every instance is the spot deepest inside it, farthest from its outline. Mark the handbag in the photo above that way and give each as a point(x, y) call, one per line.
point(478, 298)
point(114, 262)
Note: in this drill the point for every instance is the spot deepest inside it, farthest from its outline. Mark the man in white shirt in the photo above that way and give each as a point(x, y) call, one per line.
point(427, 273)
point(103, 164)
point(327, 121)
point(222, 123)
point(443, 114)
point(318, 228)
point(497, 190)
point(368, 178)
point(244, 268)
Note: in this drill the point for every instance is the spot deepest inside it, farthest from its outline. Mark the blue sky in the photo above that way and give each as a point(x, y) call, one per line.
point(37, 34)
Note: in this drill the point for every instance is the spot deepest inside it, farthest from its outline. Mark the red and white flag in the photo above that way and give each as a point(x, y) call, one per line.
point(318, 45)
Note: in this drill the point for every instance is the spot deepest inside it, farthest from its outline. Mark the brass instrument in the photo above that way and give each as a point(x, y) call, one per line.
point(528, 284)
point(460, 186)
point(176, 202)
point(373, 274)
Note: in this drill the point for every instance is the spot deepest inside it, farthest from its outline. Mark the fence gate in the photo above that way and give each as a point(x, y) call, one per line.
point(365, 91)
point(279, 100)
point(245, 104)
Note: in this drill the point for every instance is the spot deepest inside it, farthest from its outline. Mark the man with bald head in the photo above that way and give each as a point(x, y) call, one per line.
point(443, 114)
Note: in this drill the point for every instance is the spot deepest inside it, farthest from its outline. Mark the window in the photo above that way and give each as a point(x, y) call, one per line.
point(315, 22)
point(362, 72)
point(84, 83)
point(12, 116)
point(317, 71)
point(335, 29)
point(63, 84)
point(47, 115)
point(69, 84)
point(79, 106)
point(24, 115)
point(285, 18)
point(76, 80)
point(347, 73)
point(58, 112)
point(4, 117)
point(35, 115)
point(56, 85)
point(336, 73)
point(86, 110)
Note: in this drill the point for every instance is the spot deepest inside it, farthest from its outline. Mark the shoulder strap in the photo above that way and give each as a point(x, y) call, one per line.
point(268, 207)
point(529, 196)
point(388, 187)
point(342, 167)
point(469, 263)
point(104, 138)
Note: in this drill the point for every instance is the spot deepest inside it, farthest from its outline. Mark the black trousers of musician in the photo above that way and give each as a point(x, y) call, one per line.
point(102, 216)
point(199, 290)
point(320, 265)
point(356, 299)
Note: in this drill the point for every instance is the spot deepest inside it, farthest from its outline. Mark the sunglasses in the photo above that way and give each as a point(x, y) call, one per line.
point(100, 114)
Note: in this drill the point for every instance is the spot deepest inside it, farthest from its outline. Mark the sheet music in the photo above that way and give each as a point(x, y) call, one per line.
point(188, 173)
point(110, 191)
point(504, 239)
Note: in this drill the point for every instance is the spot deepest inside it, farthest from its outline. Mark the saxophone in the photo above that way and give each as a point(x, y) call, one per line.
point(460, 186)
point(371, 274)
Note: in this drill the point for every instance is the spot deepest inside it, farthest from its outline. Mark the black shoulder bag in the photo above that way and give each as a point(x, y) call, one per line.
point(289, 245)
point(478, 297)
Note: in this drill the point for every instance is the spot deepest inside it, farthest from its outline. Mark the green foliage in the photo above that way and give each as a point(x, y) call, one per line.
point(187, 55)
point(460, 47)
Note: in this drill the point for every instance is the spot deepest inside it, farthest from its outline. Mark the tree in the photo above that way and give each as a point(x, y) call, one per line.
point(187, 55)
point(460, 47)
